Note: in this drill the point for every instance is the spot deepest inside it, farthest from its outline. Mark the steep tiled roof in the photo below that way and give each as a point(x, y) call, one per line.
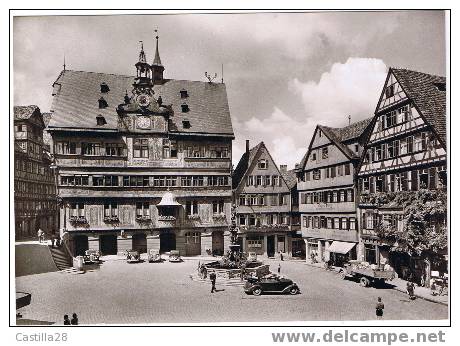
point(339, 136)
point(352, 131)
point(25, 112)
point(422, 90)
point(75, 104)
point(243, 164)
point(290, 178)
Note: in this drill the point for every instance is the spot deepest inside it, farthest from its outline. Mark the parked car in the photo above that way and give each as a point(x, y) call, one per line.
point(174, 256)
point(270, 283)
point(133, 256)
point(154, 256)
point(91, 256)
point(252, 257)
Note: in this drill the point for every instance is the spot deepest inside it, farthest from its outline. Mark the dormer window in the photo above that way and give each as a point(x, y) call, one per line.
point(102, 103)
point(104, 88)
point(186, 124)
point(100, 120)
point(262, 164)
point(440, 86)
point(183, 94)
point(185, 108)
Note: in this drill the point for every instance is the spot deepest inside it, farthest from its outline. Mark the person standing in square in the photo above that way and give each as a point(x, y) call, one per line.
point(379, 308)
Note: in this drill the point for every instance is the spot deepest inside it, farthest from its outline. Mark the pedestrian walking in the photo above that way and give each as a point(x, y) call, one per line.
point(66, 320)
point(279, 268)
point(40, 235)
point(74, 320)
point(281, 256)
point(379, 308)
point(410, 288)
point(52, 241)
point(212, 277)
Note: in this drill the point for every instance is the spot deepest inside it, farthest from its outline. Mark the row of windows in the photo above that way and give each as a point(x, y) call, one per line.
point(414, 180)
point(258, 220)
point(260, 200)
point(143, 209)
point(34, 188)
point(332, 196)
point(140, 149)
point(395, 117)
point(373, 220)
point(34, 206)
point(264, 180)
point(330, 222)
point(32, 167)
point(144, 180)
point(328, 172)
point(411, 144)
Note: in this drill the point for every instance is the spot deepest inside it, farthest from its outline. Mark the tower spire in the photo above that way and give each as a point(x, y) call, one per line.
point(157, 60)
point(142, 57)
point(157, 66)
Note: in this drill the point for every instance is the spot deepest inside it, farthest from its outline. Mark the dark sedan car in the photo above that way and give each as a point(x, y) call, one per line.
point(270, 284)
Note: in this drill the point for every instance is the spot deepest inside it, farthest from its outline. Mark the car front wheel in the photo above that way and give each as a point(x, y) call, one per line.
point(294, 290)
point(257, 291)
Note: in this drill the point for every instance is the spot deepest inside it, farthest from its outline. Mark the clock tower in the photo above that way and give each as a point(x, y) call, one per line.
point(137, 111)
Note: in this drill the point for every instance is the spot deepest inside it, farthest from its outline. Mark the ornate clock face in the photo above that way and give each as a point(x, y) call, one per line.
point(143, 122)
point(143, 100)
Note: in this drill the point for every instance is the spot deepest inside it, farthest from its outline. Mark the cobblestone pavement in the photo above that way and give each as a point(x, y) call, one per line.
point(118, 292)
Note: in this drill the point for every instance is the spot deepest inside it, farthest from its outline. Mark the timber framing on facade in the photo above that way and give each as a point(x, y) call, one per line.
point(405, 152)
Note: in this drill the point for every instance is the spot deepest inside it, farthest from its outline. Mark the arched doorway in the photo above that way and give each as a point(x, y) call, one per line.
point(167, 242)
point(218, 243)
point(80, 244)
point(108, 244)
point(140, 242)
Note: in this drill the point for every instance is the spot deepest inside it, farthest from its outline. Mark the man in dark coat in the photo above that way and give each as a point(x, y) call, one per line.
point(379, 308)
point(212, 277)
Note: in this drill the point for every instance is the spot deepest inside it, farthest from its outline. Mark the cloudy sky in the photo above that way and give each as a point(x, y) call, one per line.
point(284, 73)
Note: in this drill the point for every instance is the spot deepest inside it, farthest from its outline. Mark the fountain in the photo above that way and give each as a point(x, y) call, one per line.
point(234, 262)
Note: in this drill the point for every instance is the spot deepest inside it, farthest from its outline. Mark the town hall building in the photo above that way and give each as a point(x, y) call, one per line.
point(144, 162)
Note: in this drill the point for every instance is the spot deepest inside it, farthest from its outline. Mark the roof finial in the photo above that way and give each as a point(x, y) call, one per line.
point(349, 119)
point(64, 62)
point(222, 73)
point(157, 60)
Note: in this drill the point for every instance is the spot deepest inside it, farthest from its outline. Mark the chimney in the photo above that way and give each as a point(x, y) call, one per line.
point(247, 146)
point(283, 168)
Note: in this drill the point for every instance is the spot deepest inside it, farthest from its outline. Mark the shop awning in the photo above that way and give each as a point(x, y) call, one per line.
point(341, 247)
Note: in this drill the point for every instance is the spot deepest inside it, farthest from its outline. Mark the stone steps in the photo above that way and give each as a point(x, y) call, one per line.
point(60, 258)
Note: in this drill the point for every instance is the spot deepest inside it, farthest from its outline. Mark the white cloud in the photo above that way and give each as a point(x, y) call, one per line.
point(351, 88)
point(285, 137)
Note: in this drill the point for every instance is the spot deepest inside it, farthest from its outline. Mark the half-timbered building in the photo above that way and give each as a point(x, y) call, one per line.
point(144, 162)
point(327, 190)
point(405, 152)
point(262, 193)
point(35, 204)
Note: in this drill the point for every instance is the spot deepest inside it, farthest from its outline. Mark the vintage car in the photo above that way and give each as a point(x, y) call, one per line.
point(133, 256)
point(154, 256)
point(367, 274)
point(174, 256)
point(91, 256)
point(270, 283)
point(252, 257)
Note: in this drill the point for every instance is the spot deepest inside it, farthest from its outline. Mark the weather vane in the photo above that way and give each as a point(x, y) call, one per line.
point(209, 77)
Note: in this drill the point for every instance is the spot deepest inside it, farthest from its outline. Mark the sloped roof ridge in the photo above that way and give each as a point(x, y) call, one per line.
point(410, 70)
point(133, 76)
